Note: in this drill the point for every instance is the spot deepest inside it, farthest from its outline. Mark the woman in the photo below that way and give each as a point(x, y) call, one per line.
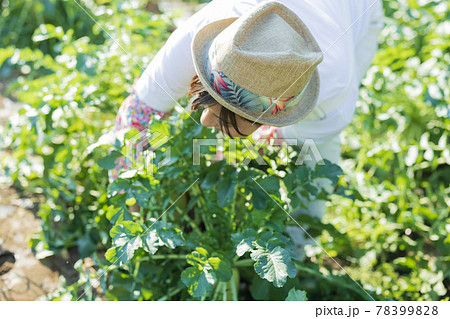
point(288, 69)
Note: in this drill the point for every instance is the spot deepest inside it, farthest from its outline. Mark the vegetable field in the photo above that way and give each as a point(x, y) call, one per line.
point(216, 231)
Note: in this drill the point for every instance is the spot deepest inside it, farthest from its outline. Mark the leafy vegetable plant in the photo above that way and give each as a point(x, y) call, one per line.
point(205, 222)
point(216, 230)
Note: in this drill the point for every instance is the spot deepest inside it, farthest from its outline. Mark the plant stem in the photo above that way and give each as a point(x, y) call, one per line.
point(225, 291)
point(170, 294)
point(136, 269)
point(171, 256)
point(202, 204)
point(216, 291)
point(233, 288)
point(244, 263)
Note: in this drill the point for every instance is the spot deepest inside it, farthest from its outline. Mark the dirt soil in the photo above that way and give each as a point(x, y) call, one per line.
point(22, 275)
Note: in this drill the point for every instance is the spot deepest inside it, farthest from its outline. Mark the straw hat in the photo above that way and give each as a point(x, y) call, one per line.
point(261, 66)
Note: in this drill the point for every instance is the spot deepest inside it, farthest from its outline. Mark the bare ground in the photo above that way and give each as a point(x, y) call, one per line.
point(22, 275)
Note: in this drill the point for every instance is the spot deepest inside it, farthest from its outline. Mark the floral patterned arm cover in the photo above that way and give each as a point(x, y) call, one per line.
point(133, 113)
point(268, 132)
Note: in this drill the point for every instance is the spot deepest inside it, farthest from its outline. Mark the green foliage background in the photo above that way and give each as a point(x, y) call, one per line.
point(387, 225)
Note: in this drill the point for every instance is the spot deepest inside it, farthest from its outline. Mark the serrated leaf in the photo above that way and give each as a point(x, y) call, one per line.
point(199, 256)
point(169, 236)
point(123, 253)
point(119, 185)
point(117, 215)
point(204, 272)
point(221, 268)
point(161, 234)
point(126, 241)
point(244, 246)
point(198, 279)
point(274, 265)
point(126, 229)
point(296, 295)
point(151, 241)
point(244, 241)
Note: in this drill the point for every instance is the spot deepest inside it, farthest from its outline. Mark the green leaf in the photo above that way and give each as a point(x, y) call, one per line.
point(108, 162)
point(117, 214)
point(161, 234)
point(296, 295)
point(198, 279)
point(151, 241)
point(270, 184)
point(221, 268)
point(244, 241)
point(225, 191)
point(274, 265)
point(123, 253)
point(159, 127)
point(158, 139)
point(329, 170)
point(310, 189)
point(259, 197)
point(126, 241)
point(302, 173)
point(199, 256)
point(212, 178)
point(131, 134)
point(130, 201)
point(204, 272)
point(118, 185)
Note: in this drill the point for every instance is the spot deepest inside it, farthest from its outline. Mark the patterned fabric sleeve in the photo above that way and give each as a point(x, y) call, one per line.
point(133, 113)
point(268, 132)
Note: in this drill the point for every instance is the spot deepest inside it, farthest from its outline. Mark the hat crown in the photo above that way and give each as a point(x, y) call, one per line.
point(268, 51)
point(261, 66)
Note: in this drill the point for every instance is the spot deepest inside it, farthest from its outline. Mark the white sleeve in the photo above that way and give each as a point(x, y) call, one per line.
point(367, 43)
point(167, 77)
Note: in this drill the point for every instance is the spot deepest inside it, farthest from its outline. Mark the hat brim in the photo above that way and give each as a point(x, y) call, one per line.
point(286, 117)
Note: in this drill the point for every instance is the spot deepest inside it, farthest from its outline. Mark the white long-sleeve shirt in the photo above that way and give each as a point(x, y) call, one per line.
point(346, 31)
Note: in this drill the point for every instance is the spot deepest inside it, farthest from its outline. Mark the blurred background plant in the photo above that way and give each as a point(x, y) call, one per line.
point(389, 230)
